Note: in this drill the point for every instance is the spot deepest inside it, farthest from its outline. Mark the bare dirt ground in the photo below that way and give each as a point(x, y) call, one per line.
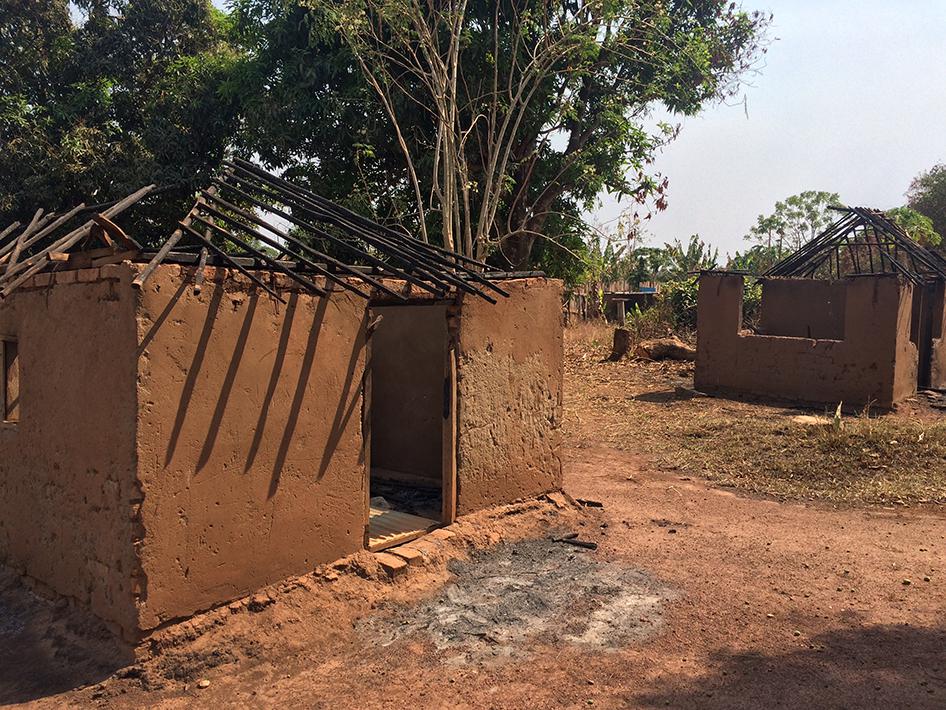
point(697, 596)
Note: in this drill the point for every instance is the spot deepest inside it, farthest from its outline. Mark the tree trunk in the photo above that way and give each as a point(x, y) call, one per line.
point(517, 248)
point(622, 344)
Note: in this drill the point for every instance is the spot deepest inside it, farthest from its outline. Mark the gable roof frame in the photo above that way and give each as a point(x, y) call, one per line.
point(848, 248)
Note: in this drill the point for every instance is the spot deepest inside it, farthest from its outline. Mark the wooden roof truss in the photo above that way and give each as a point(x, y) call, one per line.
point(862, 242)
point(250, 219)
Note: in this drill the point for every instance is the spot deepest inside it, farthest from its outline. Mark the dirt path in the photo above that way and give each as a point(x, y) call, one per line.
point(766, 604)
point(781, 604)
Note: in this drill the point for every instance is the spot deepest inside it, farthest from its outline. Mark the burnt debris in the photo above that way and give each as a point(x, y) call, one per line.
point(257, 224)
point(275, 224)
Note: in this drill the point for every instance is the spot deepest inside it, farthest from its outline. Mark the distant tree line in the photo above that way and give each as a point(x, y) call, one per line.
point(800, 218)
point(793, 222)
point(625, 258)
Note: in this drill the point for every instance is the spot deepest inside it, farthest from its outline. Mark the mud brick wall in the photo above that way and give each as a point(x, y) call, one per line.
point(803, 308)
point(509, 395)
point(177, 450)
point(875, 362)
point(67, 468)
point(249, 438)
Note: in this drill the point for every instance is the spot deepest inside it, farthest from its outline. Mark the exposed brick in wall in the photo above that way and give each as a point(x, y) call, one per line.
point(874, 363)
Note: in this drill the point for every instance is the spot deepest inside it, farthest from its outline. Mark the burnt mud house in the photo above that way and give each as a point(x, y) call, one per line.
point(855, 316)
point(182, 426)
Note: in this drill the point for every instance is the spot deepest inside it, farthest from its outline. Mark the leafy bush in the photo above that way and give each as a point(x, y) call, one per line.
point(679, 298)
point(649, 323)
point(751, 302)
point(677, 303)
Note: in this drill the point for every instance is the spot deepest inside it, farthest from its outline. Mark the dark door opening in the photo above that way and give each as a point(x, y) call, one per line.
point(922, 331)
point(408, 357)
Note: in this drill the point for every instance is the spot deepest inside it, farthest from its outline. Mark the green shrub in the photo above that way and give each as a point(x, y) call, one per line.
point(677, 301)
point(751, 302)
point(679, 298)
point(652, 322)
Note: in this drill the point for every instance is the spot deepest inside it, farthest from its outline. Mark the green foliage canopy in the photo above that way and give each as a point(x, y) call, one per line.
point(137, 91)
point(97, 102)
point(795, 220)
point(918, 226)
point(609, 261)
point(683, 259)
point(757, 258)
point(927, 195)
point(581, 131)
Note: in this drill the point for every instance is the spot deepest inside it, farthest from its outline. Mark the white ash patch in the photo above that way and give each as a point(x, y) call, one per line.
point(505, 600)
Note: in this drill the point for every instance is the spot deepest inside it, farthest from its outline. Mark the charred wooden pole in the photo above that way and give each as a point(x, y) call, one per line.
point(412, 253)
point(276, 265)
point(289, 239)
point(201, 267)
point(438, 289)
point(9, 230)
point(33, 264)
point(230, 260)
point(267, 240)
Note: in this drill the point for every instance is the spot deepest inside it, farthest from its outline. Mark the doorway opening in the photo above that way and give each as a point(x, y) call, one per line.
point(409, 387)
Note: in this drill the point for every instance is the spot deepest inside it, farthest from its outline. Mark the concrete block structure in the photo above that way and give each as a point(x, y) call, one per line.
point(164, 451)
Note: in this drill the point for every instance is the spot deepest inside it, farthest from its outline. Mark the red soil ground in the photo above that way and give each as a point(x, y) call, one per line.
point(775, 604)
point(759, 603)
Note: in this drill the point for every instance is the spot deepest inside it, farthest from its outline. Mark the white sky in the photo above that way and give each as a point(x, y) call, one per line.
point(852, 100)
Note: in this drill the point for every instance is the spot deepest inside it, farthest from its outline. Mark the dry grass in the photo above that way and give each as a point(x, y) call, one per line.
point(634, 406)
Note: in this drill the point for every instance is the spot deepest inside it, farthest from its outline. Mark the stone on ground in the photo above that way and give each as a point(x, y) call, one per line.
point(391, 564)
point(409, 555)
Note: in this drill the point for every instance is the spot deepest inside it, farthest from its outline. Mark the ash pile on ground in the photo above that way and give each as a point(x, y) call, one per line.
point(504, 601)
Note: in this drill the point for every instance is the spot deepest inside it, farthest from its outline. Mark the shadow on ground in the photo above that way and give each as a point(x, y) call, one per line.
point(895, 666)
point(47, 648)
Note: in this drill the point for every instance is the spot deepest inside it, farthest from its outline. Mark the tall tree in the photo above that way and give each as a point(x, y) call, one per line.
point(137, 91)
point(918, 226)
point(489, 124)
point(927, 195)
point(31, 44)
point(796, 220)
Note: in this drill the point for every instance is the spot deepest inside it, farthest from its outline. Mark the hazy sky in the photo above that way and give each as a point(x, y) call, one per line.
point(852, 100)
